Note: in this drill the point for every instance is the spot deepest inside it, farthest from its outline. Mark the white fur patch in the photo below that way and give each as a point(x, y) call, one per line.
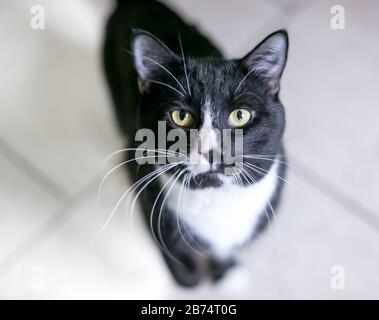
point(225, 217)
point(208, 140)
point(207, 134)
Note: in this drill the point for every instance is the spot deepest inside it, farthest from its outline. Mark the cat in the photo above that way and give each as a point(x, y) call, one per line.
point(199, 213)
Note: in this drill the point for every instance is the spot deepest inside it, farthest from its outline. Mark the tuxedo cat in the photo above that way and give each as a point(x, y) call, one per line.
point(200, 213)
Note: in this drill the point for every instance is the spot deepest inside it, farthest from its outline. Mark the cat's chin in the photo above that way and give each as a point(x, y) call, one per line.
point(206, 180)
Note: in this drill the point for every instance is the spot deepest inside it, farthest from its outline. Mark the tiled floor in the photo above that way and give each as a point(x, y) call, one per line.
point(56, 130)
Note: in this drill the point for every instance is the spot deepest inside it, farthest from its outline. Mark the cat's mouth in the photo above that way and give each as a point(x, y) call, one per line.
point(214, 177)
point(210, 179)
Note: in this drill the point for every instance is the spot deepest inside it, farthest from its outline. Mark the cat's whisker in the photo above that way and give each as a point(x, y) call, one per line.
point(165, 250)
point(250, 178)
point(160, 151)
point(250, 94)
point(120, 165)
point(186, 183)
point(275, 218)
point(163, 204)
point(238, 173)
point(235, 177)
point(167, 85)
point(272, 211)
point(185, 226)
point(239, 178)
point(253, 180)
point(165, 69)
point(119, 202)
point(166, 168)
point(243, 80)
point(273, 159)
point(184, 64)
point(263, 172)
point(269, 156)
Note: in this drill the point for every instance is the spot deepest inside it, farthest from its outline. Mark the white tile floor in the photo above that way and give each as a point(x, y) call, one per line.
point(56, 129)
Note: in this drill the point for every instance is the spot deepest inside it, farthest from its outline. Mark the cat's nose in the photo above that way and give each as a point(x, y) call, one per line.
point(213, 158)
point(202, 148)
point(209, 155)
point(206, 152)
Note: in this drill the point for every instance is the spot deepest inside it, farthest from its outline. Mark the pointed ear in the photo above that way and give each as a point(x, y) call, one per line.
point(151, 56)
point(268, 59)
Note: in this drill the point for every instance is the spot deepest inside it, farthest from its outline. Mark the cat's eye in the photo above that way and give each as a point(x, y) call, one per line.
point(240, 117)
point(182, 118)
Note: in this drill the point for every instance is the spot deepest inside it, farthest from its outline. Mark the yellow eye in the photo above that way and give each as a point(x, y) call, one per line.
point(240, 117)
point(182, 118)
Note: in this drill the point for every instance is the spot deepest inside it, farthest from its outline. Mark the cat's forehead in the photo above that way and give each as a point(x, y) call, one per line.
point(213, 76)
point(213, 84)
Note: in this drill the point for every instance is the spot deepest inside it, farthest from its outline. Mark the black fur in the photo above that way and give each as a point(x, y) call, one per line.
point(209, 76)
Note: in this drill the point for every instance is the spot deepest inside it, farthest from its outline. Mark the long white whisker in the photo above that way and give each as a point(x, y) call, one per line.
point(162, 207)
point(118, 166)
point(164, 68)
point(167, 85)
point(272, 209)
point(188, 180)
point(158, 172)
point(252, 179)
point(238, 178)
point(263, 171)
point(118, 204)
point(160, 151)
point(185, 181)
point(265, 211)
point(249, 94)
point(248, 177)
point(243, 80)
point(184, 64)
point(152, 219)
point(275, 218)
point(273, 159)
point(264, 155)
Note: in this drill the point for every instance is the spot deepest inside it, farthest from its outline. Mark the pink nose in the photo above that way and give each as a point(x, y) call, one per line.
point(201, 149)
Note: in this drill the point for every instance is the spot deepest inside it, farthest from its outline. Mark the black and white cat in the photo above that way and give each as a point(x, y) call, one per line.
point(197, 212)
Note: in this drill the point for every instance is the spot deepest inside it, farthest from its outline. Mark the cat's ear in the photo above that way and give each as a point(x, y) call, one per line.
point(151, 57)
point(268, 59)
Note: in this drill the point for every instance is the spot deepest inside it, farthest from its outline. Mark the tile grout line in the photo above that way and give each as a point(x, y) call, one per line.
point(317, 181)
point(334, 193)
point(35, 175)
point(291, 9)
point(58, 218)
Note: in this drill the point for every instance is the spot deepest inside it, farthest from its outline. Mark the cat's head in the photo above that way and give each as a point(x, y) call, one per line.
point(215, 98)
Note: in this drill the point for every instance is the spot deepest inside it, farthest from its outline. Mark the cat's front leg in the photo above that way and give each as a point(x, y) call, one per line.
point(219, 267)
point(182, 262)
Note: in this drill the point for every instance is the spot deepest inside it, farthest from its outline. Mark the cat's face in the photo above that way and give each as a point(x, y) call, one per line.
point(226, 109)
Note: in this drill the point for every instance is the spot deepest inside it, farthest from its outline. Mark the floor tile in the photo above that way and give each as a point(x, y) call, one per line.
point(24, 208)
point(235, 27)
point(294, 258)
point(73, 263)
point(330, 90)
point(63, 125)
point(62, 122)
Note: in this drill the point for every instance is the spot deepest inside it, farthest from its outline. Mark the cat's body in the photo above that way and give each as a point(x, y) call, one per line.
point(196, 211)
point(219, 218)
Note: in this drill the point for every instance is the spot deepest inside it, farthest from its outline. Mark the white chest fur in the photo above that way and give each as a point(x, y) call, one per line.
point(227, 216)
